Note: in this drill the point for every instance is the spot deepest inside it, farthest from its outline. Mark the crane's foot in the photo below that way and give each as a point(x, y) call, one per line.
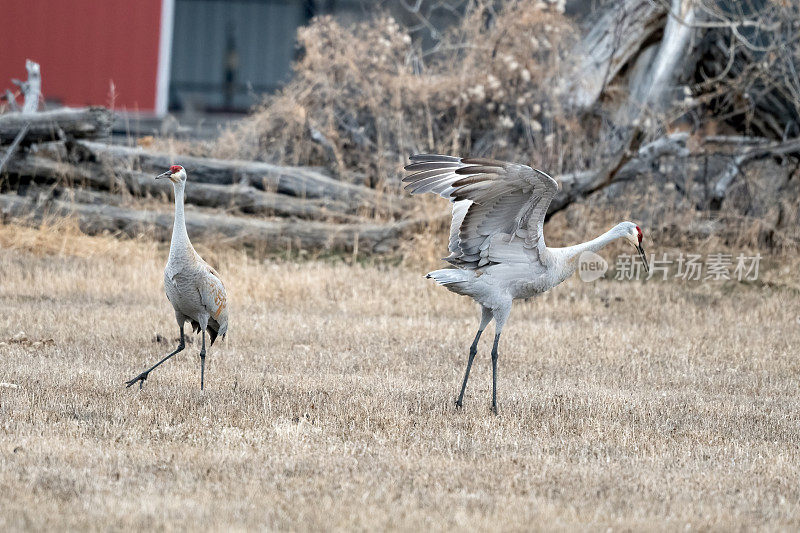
point(140, 378)
point(459, 405)
point(494, 410)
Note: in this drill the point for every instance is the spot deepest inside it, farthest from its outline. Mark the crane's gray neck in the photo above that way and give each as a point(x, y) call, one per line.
point(570, 254)
point(179, 234)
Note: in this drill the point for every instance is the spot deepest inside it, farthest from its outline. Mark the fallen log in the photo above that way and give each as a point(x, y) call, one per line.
point(267, 235)
point(751, 153)
point(13, 146)
point(580, 184)
point(293, 181)
point(734, 140)
point(250, 200)
point(45, 193)
point(90, 122)
point(241, 197)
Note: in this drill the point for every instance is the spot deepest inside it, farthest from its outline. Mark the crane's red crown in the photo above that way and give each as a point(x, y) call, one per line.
point(178, 168)
point(639, 231)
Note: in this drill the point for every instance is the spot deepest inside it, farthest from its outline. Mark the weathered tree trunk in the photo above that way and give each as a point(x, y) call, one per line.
point(619, 39)
point(615, 38)
point(653, 86)
point(293, 181)
point(580, 184)
point(268, 235)
point(32, 87)
point(91, 122)
point(240, 197)
point(45, 193)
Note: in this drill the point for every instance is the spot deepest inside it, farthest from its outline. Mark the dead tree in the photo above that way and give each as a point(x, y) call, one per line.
point(611, 44)
point(31, 88)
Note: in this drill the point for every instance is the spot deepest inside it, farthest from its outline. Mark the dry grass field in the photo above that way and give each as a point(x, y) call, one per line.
point(657, 405)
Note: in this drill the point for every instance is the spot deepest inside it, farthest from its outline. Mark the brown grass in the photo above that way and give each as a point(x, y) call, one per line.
point(627, 405)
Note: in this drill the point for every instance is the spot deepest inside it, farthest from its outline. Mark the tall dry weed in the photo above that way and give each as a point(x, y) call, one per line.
point(365, 97)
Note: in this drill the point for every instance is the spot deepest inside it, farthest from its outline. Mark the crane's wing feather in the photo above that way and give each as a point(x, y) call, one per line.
point(214, 298)
point(498, 207)
point(460, 210)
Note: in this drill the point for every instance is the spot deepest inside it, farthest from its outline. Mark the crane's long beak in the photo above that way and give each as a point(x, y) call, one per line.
point(166, 174)
point(644, 257)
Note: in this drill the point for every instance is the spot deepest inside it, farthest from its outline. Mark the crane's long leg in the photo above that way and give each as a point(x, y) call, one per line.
point(143, 376)
point(486, 317)
point(500, 317)
point(494, 373)
point(203, 360)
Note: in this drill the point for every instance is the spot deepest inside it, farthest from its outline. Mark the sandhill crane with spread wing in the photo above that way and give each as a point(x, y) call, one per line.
point(496, 237)
point(192, 286)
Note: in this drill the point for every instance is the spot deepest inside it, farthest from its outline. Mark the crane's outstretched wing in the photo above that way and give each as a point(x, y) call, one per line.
point(498, 207)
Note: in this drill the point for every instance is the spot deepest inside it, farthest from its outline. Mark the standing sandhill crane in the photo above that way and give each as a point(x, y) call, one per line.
point(192, 286)
point(496, 237)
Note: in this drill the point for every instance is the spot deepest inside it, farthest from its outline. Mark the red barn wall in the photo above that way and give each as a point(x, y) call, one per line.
point(82, 46)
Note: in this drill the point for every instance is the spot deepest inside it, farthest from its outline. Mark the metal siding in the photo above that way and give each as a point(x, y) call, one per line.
point(264, 32)
point(82, 45)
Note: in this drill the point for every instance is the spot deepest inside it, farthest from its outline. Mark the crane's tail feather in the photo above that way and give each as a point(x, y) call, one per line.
point(453, 279)
point(215, 329)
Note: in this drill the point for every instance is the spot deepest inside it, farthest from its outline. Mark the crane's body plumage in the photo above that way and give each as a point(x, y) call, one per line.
point(194, 288)
point(198, 296)
point(497, 235)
